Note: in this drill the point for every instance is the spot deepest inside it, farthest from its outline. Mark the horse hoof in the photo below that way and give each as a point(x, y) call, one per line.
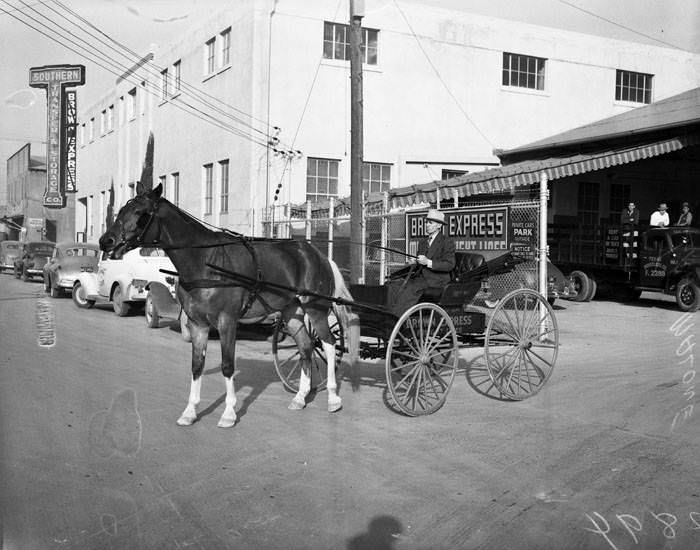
point(186, 420)
point(335, 407)
point(296, 405)
point(226, 422)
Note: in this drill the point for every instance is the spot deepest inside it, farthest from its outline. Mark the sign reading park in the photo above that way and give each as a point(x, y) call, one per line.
point(61, 128)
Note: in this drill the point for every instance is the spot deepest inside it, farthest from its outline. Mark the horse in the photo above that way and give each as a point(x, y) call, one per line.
point(274, 273)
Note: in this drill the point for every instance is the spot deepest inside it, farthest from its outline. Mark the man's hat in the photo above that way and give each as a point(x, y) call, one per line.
point(436, 216)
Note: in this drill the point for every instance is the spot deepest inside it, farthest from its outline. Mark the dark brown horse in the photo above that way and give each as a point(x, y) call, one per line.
point(210, 299)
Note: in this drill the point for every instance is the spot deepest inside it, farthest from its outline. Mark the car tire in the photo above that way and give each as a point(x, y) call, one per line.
point(688, 295)
point(151, 312)
point(581, 284)
point(47, 285)
point(17, 275)
point(79, 298)
point(54, 290)
point(25, 275)
point(121, 307)
point(592, 290)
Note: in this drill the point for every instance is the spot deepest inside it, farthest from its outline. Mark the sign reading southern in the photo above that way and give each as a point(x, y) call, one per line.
point(472, 229)
point(55, 79)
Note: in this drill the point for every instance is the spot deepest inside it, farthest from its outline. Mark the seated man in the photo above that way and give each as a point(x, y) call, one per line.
point(436, 259)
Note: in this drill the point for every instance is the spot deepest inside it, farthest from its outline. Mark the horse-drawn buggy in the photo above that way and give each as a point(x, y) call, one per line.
point(421, 347)
point(226, 279)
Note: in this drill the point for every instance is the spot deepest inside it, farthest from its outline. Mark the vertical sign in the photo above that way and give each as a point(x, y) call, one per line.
point(69, 149)
point(55, 79)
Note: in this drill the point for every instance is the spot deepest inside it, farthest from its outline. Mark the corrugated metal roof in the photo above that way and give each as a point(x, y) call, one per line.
point(528, 172)
point(679, 110)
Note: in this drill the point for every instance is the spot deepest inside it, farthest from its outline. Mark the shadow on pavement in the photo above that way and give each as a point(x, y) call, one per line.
point(382, 533)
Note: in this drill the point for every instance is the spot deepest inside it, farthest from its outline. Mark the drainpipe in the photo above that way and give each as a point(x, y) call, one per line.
point(267, 151)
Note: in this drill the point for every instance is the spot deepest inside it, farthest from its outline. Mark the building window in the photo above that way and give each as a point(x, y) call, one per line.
point(131, 104)
point(224, 186)
point(226, 47)
point(162, 182)
point(619, 197)
point(91, 129)
point(122, 111)
point(142, 97)
point(91, 227)
point(82, 135)
point(588, 193)
point(164, 84)
point(376, 178)
point(177, 75)
point(321, 179)
point(449, 174)
point(176, 188)
point(336, 43)
point(523, 71)
point(103, 122)
point(209, 57)
point(208, 188)
point(110, 118)
point(634, 87)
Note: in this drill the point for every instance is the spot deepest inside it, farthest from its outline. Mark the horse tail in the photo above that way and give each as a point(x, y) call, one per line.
point(347, 317)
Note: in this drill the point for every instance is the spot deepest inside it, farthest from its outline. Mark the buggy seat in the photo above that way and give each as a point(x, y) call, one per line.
point(466, 262)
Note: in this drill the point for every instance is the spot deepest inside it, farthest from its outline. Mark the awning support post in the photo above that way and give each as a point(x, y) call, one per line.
point(542, 250)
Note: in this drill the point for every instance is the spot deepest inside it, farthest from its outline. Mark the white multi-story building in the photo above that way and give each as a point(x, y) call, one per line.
point(258, 100)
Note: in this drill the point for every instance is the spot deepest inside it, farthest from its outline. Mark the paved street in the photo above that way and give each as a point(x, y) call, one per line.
point(91, 458)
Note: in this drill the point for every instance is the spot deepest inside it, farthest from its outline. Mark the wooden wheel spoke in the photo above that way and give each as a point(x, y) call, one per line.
point(408, 343)
point(413, 334)
point(435, 345)
point(504, 332)
point(404, 354)
point(515, 334)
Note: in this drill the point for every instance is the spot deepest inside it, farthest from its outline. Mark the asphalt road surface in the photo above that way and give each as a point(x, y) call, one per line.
point(605, 456)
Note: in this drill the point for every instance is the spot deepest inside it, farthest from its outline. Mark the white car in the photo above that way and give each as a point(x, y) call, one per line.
point(124, 282)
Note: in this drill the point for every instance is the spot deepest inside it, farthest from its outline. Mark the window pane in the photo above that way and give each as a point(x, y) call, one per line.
point(322, 186)
point(333, 168)
point(310, 184)
point(333, 187)
point(323, 168)
point(328, 31)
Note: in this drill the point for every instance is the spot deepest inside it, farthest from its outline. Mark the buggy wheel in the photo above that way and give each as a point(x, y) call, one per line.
point(521, 344)
point(286, 355)
point(421, 359)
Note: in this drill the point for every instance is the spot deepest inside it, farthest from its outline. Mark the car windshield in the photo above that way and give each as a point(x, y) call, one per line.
point(40, 248)
point(89, 252)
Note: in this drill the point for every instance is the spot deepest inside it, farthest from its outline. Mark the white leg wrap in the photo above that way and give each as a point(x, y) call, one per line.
point(189, 415)
point(299, 401)
point(228, 419)
point(334, 401)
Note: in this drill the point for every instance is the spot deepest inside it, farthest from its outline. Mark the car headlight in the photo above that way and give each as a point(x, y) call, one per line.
point(139, 283)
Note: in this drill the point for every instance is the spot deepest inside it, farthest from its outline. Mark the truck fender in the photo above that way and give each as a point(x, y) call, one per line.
point(166, 305)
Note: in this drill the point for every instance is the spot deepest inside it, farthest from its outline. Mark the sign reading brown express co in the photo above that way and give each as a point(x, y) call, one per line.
point(474, 229)
point(59, 177)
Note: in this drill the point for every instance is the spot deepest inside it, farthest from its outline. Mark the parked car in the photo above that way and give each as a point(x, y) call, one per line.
point(125, 281)
point(525, 275)
point(34, 256)
point(9, 250)
point(69, 260)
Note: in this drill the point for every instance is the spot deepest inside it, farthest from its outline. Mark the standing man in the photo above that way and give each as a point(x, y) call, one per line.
point(436, 259)
point(629, 220)
point(660, 217)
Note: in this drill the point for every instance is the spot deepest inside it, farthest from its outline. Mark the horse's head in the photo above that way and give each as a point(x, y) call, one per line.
point(134, 225)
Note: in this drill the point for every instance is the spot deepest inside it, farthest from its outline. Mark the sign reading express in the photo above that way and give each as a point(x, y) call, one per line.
point(471, 229)
point(55, 79)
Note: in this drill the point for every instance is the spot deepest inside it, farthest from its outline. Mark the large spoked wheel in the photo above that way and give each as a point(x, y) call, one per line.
point(421, 359)
point(286, 355)
point(521, 344)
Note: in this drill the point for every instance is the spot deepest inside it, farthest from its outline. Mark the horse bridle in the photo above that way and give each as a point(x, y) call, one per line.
point(138, 240)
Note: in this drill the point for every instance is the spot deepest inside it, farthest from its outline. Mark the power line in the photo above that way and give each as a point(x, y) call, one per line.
point(100, 61)
point(630, 29)
point(437, 73)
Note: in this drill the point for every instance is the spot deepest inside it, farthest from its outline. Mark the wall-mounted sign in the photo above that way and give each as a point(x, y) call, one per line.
point(55, 79)
point(477, 229)
point(69, 144)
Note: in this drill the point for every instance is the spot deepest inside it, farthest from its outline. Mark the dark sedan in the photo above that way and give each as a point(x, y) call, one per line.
point(69, 260)
point(34, 256)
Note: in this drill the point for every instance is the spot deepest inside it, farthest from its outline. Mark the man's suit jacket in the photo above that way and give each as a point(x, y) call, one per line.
point(442, 253)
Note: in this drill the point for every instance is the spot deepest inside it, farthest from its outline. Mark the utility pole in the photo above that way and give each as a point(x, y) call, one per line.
point(356, 261)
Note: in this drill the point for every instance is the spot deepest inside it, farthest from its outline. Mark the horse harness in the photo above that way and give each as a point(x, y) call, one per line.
point(253, 288)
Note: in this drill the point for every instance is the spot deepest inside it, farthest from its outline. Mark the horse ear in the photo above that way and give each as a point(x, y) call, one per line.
point(158, 191)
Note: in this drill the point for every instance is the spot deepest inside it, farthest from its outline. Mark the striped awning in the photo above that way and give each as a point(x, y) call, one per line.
point(529, 172)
